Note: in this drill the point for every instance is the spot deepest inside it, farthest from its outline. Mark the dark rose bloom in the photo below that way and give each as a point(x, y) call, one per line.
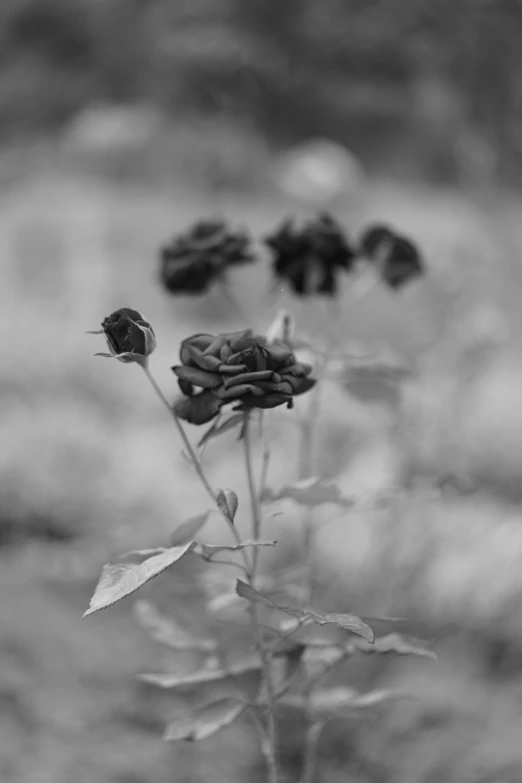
point(195, 259)
point(129, 336)
point(239, 367)
point(397, 258)
point(311, 257)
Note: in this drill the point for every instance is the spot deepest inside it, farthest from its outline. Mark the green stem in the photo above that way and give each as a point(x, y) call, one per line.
point(196, 464)
point(310, 760)
point(269, 744)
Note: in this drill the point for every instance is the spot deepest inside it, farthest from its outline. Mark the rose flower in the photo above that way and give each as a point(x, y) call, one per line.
point(198, 257)
point(396, 257)
point(240, 368)
point(310, 258)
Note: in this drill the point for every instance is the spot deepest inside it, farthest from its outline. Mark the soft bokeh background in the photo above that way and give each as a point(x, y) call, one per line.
point(122, 121)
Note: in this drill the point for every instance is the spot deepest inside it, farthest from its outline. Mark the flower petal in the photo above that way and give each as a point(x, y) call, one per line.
point(199, 409)
point(305, 384)
point(238, 391)
point(267, 401)
point(249, 377)
point(207, 380)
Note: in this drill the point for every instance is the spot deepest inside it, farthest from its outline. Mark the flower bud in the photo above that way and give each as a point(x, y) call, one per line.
point(282, 328)
point(129, 336)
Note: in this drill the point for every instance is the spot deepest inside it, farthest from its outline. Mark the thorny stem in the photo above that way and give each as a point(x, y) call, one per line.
point(268, 736)
point(269, 741)
point(195, 462)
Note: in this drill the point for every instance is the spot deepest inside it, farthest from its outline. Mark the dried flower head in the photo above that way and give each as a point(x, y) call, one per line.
point(239, 367)
point(197, 258)
point(396, 257)
point(310, 258)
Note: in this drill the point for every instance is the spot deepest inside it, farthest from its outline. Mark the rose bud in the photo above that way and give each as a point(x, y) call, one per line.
point(129, 336)
point(239, 368)
point(310, 258)
point(282, 328)
point(196, 259)
point(397, 259)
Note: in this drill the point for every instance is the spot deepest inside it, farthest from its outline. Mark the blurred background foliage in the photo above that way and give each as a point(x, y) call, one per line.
point(122, 122)
point(420, 86)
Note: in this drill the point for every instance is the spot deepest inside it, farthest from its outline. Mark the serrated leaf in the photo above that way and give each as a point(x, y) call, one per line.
point(350, 622)
point(207, 550)
point(227, 502)
point(121, 579)
point(143, 553)
point(219, 429)
point(250, 663)
point(205, 721)
point(186, 531)
point(167, 631)
point(334, 702)
point(309, 492)
point(398, 644)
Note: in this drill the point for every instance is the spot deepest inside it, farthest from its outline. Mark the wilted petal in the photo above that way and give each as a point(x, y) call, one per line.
point(186, 387)
point(208, 362)
point(305, 384)
point(238, 391)
point(239, 341)
point(199, 409)
point(266, 401)
point(248, 377)
point(207, 380)
point(225, 353)
point(284, 387)
point(232, 369)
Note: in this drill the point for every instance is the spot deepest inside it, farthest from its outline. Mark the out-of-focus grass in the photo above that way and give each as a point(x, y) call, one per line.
point(90, 465)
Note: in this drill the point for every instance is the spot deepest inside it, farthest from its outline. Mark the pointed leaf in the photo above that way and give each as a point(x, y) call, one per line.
point(334, 702)
point(141, 553)
point(250, 663)
point(349, 622)
point(121, 579)
point(207, 550)
point(205, 721)
point(309, 492)
point(398, 644)
point(187, 530)
point(341, 699)
point(227, 502)
point(167, 631)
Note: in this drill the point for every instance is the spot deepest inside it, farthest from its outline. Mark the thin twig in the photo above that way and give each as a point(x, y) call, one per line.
point(195, 462)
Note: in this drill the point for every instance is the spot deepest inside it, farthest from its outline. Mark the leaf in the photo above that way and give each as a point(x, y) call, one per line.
point(207, 550)
point(143, 553)
point(250, 663)
point(398, 644)
point(215, 430)
point(350, 622)
point(228, 502)
point(121, 579)
point(205, 721)
point(167, 631)
point(186, 531)
point(309, 492)
point(334, 702)
point(373, 379)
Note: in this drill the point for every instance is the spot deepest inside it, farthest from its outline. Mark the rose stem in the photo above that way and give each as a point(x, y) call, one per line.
point(270, 745)
point(196, 463)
